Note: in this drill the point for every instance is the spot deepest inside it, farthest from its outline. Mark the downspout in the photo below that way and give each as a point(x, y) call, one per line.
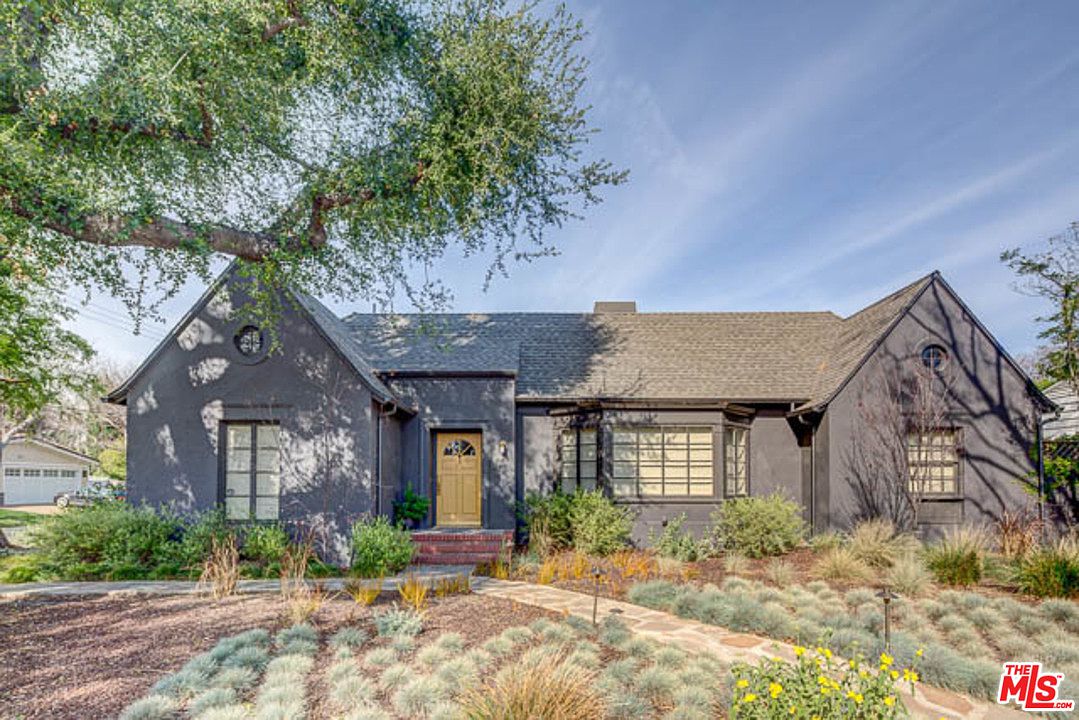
point(378, 454)
point(1041, 473)
point(812, 470)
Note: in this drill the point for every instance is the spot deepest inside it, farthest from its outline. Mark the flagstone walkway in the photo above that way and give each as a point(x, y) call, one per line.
point(928, 702)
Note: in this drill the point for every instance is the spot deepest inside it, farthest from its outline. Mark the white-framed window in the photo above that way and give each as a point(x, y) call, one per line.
point(67, 473)
point(31, 472)
point(933, 462)
point(12, 472)
point(735, 461)
point(52, 472)
point(252, 487)
point(580, 455)
point(662, 461)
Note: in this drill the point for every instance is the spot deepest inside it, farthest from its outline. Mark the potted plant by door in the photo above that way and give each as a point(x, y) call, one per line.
point(411, 510)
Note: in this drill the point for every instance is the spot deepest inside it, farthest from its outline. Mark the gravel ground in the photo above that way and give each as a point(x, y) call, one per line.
point(80, 658)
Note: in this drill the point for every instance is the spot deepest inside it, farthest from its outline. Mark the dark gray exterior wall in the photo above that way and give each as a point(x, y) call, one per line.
point(176, 407)
point(485, 404)
point(774, 464)
point(993, 409)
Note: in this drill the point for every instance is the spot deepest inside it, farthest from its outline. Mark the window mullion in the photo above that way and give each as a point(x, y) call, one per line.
point(253, 479)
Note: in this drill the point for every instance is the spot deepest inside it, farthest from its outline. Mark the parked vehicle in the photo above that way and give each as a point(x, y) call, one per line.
point(95, 492)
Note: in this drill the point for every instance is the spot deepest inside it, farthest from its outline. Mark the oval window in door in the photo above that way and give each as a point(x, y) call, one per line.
point(462, 448)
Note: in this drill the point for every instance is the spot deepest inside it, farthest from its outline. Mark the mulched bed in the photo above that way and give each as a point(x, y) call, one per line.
point(89, 657)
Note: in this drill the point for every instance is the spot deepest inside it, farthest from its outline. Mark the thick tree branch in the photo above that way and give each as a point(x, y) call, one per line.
point(294, 19)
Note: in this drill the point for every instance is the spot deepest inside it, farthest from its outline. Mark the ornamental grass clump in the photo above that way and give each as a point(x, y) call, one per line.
point(958, 558)
point(1051, 571)
point(153, 707)
point(398, 621)
point(818, 685)
point(908, 576)
point(543, 688)
point(419, 695)
point(879, 544)
point(842, 565)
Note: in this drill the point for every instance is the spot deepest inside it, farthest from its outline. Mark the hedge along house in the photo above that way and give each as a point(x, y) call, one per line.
point(670, 413)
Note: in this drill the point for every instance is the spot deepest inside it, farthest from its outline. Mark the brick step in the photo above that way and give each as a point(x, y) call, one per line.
point(466, 546)
point(462, 537)
point(444, 549)
point(455, 559)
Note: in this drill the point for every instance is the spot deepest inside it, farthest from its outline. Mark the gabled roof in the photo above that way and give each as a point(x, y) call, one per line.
point(855, 339)
point(49, 445)
point(325, 322)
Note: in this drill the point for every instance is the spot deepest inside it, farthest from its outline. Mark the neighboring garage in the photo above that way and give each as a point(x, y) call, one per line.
point(33, 471)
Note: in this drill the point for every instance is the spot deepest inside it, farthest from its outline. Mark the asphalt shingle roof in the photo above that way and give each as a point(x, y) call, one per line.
point(733, 356)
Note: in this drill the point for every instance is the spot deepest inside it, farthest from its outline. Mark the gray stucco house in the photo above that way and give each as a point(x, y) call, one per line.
point(669, 412)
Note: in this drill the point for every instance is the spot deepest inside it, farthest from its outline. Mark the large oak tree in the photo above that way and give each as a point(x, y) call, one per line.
point(329, 144)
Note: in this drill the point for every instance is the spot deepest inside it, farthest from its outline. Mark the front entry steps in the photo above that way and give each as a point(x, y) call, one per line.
point(460, 546)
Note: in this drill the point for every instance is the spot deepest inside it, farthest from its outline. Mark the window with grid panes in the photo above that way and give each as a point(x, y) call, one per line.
point(933, 462)
point(662, 461)
point(735, 461)
point(252, 471)
point(579, 459)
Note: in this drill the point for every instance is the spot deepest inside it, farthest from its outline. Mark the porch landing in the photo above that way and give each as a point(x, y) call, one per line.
point(460, 546)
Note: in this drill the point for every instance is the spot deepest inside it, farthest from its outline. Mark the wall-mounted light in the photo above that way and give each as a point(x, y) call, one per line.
point(502, 450)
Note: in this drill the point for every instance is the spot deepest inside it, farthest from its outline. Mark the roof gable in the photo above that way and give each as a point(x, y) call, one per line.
point(51, 447)
point(326, 323)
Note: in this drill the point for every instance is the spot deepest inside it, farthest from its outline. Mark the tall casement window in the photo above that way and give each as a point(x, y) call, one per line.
point(662, 461)
point(933, 462)
point(735, 461)
point(579, 453)
point(252, 471)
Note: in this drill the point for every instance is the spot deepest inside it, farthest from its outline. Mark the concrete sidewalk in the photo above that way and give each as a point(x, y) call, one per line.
point(427, 573)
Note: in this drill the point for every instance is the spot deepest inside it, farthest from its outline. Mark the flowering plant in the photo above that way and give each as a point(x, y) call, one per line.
point(820, 686)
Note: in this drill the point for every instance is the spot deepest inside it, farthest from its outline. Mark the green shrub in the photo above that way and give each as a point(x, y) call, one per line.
point(586, 521)
point(957, 559)
point(379, 548)
point(1049, 572)
point(599, 527)
point(107, 540)
point(814, 687)
point(23, 568)
point(548, 519)
point(411, 507)
point(758, 526)
point(199, 532)
point(674, 542)
point(265, 543)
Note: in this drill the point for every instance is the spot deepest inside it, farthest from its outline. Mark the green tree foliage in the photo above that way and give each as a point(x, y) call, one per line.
point(1053, 274)
point(329, 144)
point(39, 359)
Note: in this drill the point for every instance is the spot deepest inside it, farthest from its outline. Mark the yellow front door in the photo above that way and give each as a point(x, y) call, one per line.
point(459, 475)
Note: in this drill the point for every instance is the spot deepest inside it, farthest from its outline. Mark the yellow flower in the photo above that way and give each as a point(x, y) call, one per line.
point(890, 700)
point(749, 697)
point(913, 677)
point(742, 683)
point(822, 680)
point(792, 709)
point(853, 665)
point(863, 674)
point(774, 690)
point(919, 652)
point(895, 675)
point(824, 691)
point(827, 653)
point(799, 650)
point(886, 659)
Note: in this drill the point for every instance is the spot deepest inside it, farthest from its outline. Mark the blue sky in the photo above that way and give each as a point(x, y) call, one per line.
point(790, 156)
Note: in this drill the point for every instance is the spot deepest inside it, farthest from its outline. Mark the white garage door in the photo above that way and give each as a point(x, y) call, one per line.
point(37, 486)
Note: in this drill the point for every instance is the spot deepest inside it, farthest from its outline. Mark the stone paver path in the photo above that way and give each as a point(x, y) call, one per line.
point(726, 645)
point(427, 573)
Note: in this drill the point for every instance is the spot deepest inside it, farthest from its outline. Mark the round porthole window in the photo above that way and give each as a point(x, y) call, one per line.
point(934, 356)
point(249, 341)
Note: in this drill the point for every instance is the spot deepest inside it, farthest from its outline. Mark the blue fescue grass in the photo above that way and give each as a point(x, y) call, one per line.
point(153, 707)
